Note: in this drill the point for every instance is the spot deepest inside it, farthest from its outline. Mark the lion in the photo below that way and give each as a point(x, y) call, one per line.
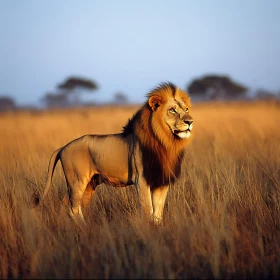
point(148, 154)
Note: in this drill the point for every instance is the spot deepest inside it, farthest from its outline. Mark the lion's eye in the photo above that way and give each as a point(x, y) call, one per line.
point(187, 110)
point(172, 110)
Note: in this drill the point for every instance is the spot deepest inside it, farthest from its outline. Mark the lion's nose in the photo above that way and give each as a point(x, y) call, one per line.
point(189, 122)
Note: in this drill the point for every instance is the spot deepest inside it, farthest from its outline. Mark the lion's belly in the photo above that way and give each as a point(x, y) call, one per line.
point(114, 172)
point(110, 157)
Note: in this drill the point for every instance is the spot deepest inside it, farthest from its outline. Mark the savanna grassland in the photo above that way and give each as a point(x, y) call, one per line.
point(221, 220)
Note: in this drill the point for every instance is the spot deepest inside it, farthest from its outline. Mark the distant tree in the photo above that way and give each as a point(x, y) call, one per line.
point(216, 87)
point(69, 92)
point(266, 94)
point(74, 83)
point(7, 103)
point(120, 98)
point(74, 86)
point(55, 100)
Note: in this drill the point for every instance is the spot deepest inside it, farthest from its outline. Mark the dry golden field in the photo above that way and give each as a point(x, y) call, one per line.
point(221, 220)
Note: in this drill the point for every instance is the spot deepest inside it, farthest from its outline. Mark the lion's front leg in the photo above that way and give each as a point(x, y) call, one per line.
point(158, 198)
point(144, 197)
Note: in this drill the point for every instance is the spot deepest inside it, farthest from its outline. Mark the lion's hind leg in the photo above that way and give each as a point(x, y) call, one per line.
point(88, 193)
point(96, 180)
point(76, 191)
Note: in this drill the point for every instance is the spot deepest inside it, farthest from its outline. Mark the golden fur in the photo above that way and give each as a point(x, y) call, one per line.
point(148, 153)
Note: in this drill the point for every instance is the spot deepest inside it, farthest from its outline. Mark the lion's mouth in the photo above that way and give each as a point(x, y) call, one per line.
point(176, 131)
point(182, 133)
point(186, 133)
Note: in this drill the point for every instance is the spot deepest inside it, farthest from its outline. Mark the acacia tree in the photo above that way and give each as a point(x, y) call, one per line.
point(55, 100)
point(120, 98)
point(7, 103)
point(74, 83)
point(266, 94)
point(69, 92)
point(216, 87)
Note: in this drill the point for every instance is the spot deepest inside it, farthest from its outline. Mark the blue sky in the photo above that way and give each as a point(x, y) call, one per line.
point(131, 46)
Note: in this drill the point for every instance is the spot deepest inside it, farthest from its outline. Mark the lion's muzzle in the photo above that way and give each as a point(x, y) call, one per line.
point(184, 131)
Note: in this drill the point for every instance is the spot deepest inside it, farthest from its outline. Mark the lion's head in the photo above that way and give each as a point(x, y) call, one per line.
point(165, 116)
point(171, 111)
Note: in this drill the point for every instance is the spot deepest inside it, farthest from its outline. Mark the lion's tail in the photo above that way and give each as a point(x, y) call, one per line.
point(53, 161)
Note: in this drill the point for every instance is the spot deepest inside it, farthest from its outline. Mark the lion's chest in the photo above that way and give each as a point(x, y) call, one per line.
point(160, 168)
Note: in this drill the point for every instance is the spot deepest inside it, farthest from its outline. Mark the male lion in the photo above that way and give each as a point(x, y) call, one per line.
point(148, 153)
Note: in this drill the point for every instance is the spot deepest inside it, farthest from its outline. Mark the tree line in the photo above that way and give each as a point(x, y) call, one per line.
point(209, 87)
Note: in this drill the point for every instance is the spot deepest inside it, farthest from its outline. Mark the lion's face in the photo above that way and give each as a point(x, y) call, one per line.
point(177, 118)
point(170, 114)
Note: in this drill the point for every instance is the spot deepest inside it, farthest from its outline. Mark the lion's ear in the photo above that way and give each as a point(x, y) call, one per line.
point(154, 102)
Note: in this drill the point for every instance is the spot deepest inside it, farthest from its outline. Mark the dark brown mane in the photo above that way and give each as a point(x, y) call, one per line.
point(157, 169)
point(129, 127)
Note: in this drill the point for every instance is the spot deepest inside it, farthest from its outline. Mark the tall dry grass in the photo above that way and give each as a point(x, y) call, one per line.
point(222, 219)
